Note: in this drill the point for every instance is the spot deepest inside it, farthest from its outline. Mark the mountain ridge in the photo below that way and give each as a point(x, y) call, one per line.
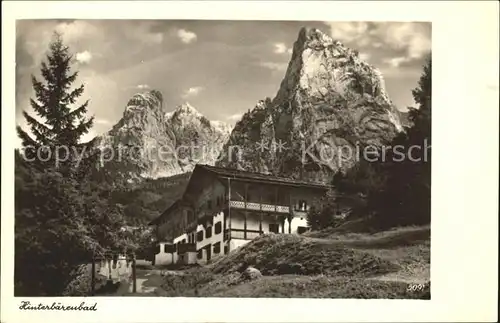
point(328, 99)
point(146, 127)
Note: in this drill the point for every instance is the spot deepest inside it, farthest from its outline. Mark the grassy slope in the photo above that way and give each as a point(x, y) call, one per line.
point(297, 286)
point(346, 265)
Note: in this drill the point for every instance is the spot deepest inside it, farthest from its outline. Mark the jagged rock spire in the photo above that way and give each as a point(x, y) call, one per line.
point(328, 98)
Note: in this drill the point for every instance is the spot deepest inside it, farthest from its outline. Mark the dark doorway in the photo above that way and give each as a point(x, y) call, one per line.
point(209, 251)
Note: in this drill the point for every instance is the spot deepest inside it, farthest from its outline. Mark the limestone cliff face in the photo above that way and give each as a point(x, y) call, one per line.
point(197, 140)
point(329, 102)
point(149, 142)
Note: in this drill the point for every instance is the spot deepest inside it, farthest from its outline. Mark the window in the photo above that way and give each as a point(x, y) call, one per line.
point(217, 248)
point(301, 230)
point(199, 236)
point(208, 232)
point(170, 248)
point(226, 249)
point(159, 249)
point(208, 252)
point(199, 255)
point(218, 227)
point(183, 240)
point(273, 227)
point(302, 205)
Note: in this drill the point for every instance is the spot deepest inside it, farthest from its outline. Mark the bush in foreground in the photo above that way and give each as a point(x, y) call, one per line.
point(198, 284)
point(286, 254)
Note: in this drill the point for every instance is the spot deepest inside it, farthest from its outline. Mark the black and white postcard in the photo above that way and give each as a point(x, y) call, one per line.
point(266, 161)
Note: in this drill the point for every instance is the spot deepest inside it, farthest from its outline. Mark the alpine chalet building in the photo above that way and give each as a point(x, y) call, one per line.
point(223, 209)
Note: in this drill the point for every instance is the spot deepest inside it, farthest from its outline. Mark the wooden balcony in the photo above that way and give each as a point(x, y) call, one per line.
point(186, 247)
point(300, 212)
point(241, 234)
point(259, 207)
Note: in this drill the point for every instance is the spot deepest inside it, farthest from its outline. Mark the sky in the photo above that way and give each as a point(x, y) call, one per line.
point(222, 68)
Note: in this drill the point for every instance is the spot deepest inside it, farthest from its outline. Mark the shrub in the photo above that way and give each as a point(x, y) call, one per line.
point(271, 254)
point(187, 284)
point(321, 213)
point(81, 284)
point(251, 273)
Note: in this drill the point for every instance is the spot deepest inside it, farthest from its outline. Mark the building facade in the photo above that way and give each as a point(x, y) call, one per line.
point(223, 209)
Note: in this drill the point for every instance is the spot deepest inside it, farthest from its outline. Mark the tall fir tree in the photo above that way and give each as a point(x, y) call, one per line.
point(406, 198)
point(422, 94)
point(62, 215)
point(59, 124)
point(397, 191)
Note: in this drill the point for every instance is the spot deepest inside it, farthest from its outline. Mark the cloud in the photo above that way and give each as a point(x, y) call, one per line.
point(192, 91)
point(84, 57)
point(348, 30)
point(274, 66)
point(396, 61)
point(153, 38)
point(88, 136)
point(186, 36)
point(281, 48)
point(102, 121)
point(234, 117)
point(408, 36)
point(73, 31)
point(364, 56)
point(232, 48)
point(411, 38)
point(142, 86)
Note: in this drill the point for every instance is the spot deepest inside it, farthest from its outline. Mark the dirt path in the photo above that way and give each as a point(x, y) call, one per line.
point(149, 282)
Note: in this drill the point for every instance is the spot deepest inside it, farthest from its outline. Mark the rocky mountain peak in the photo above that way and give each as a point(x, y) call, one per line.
point(188, 109)
point(185, 113)
point(329, 98)
point(145, 100)
point(222, 127)
point(145, 128)
point(321, 65)
point(314, 38)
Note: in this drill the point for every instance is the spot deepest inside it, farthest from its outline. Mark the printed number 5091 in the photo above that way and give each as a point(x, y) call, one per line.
point(415, 287)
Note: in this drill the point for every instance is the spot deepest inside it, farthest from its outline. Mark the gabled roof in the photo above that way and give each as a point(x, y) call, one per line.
point(172, 207)
point(265, 178)
point(230, 173)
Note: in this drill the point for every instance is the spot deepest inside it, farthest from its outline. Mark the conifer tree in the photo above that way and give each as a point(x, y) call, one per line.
point(406, 198)
point(59, 123)
point(397, 190)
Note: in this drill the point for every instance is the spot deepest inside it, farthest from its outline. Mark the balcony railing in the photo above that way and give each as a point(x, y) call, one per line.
point(186, 247)
point(300, 212)
point(241, 234)
point(259, 206)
